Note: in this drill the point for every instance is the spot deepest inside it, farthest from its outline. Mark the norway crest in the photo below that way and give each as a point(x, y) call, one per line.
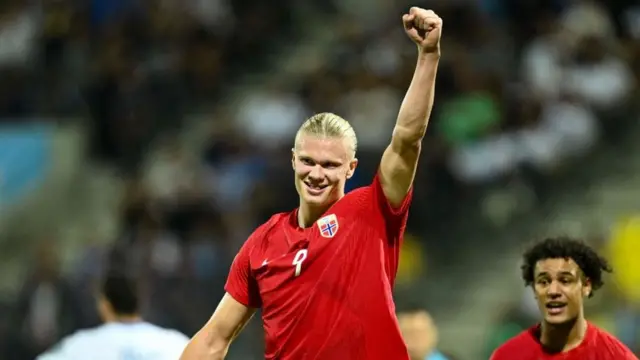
point(328, 226)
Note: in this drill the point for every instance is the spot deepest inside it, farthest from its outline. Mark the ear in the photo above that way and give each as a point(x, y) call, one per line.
point(586, 288)
point(105, 310)
point(293, 158)
point(352, 168)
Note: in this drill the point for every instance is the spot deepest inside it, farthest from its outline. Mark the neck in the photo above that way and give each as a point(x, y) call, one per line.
point(129, 318)
point(307, 215)
point(563, 337)
point(422, 356)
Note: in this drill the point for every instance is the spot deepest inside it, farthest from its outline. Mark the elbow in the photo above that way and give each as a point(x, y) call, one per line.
point(410, 135)
point(408, 139)
point(217, 345)
point(217, 350)
point(206, 346)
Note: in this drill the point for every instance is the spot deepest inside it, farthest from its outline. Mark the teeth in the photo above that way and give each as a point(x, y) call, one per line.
point(555, 305)
point(314, 186)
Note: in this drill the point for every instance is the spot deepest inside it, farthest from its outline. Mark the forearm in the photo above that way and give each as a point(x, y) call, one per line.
point(205, 346)
point(413, 117)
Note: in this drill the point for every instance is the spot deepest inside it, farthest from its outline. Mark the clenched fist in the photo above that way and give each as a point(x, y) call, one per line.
point(424, 27)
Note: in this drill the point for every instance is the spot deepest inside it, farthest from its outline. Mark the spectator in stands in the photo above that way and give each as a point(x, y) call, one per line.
point(420, 333)
point(47, 305)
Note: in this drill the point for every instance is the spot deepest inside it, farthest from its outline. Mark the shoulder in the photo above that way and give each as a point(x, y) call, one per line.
point(169, 337)
point(83, 336)
point(76, 342)
point(269, 225)
point(523, 341)
point(259, 240)
point(360, 194)
point(604, 340)
point(265, 229)
point(176, 336)
point(358, 198)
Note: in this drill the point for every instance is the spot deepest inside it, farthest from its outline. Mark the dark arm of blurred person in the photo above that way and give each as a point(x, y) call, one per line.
point(213, 340)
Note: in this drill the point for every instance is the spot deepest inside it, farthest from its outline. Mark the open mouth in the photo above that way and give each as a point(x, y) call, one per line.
point(314, 189)
point(555, 307)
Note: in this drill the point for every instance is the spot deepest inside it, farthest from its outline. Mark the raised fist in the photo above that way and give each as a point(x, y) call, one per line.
point(424, 27)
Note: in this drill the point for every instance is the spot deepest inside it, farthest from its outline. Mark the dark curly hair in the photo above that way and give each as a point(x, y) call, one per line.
point(591, 264)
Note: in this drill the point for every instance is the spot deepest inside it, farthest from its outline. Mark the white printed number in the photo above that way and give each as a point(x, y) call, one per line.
point(300, 257)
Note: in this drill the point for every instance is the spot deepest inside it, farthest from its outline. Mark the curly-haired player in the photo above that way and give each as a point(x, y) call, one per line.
point(563, 272)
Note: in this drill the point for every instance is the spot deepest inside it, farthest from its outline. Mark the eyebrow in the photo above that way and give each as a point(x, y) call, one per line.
point(562, 273)
point(330, 162)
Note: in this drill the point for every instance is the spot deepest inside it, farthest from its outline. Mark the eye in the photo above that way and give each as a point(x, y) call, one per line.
point(566, 281)
point(542, 282)
point(306, 161)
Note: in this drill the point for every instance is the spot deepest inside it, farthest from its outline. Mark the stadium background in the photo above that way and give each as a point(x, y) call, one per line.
point(164, 127)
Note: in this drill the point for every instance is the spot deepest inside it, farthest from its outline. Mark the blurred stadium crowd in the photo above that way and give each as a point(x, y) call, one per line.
point(526, 91)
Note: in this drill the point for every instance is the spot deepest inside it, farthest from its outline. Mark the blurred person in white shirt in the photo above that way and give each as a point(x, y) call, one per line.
point(124, 334)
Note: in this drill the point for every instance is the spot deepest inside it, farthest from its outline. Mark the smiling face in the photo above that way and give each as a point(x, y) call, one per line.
point(560, 288)
point(322, 166)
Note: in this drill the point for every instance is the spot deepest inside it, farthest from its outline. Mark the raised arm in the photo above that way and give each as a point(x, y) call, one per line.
point(400, 159)
point(213, 340)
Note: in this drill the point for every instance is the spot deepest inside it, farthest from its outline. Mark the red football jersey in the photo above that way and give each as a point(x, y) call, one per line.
point(326, 291)
point(597, 345)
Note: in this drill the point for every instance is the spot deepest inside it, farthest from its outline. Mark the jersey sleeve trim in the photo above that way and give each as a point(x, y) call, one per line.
point(241, 283)
point(240, 297)
point(384, 203)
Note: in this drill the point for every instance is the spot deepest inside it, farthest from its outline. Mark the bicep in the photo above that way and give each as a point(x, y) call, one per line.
point(229, 318)
point(398, 170)
point(213, 340)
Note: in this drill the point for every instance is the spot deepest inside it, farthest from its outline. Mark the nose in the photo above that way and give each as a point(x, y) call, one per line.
point(554, 289)
point(316, 173)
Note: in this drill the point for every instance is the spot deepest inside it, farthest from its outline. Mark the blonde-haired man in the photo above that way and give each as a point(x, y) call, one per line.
point(323, 273)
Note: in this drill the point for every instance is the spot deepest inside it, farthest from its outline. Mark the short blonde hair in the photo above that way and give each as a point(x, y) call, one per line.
point(329, 125)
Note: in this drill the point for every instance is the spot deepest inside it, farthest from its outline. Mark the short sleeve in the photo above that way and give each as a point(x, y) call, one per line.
point(53, 354)
point(61, 350)
point(613, 349)
point(390, 213)
point(521, 345)
point(501, 353)
point(241, 284)
point(394, 224)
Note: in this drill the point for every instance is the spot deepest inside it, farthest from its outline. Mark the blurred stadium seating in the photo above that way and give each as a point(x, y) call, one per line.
point(164, 128)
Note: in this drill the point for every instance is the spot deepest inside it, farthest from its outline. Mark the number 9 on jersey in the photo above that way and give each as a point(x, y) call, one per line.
point(300, 257)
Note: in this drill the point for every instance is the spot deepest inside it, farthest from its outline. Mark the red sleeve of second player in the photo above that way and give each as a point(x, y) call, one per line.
point(610, 348)
point(499, 354)
point(241, 284)
point(518, 347)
